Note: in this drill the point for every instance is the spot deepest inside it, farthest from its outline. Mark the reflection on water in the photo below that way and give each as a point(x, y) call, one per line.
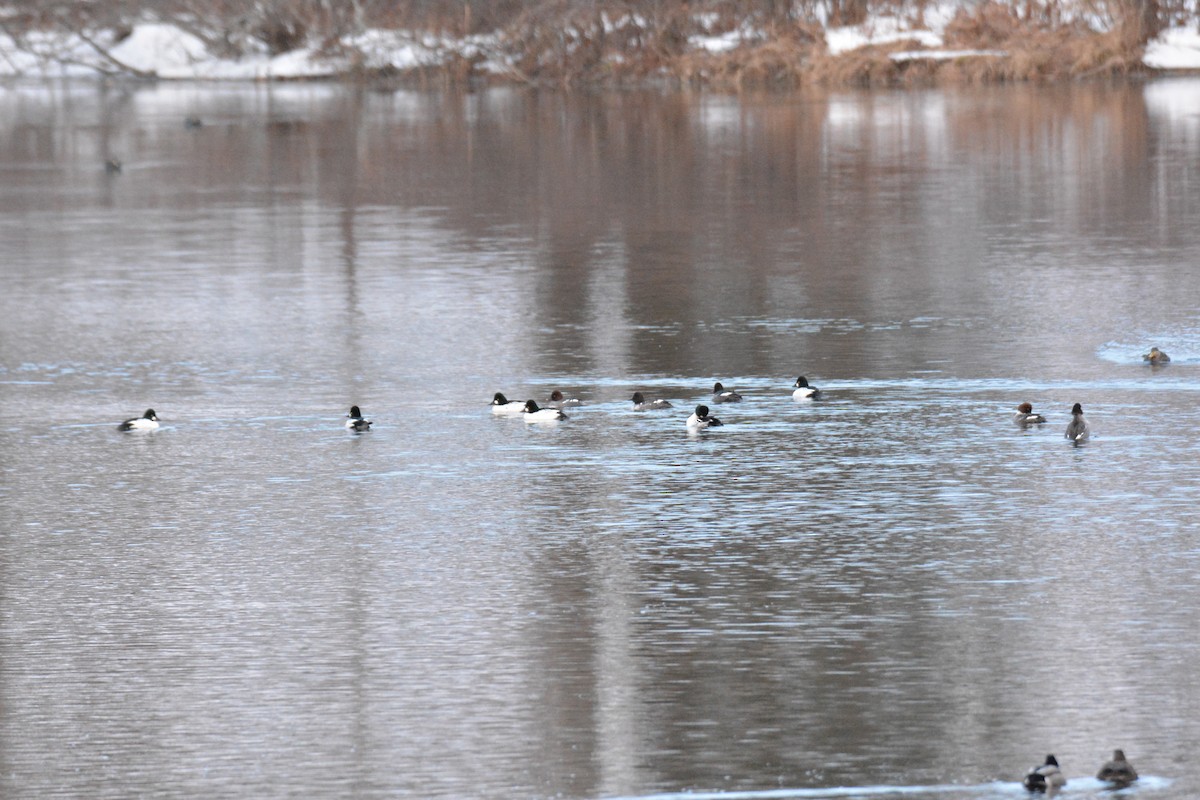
point(891, 587)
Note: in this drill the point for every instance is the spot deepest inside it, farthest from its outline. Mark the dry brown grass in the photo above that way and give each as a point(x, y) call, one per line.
point(621, 42)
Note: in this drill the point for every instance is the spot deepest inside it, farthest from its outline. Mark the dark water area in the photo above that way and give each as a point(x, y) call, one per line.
point(889, 590)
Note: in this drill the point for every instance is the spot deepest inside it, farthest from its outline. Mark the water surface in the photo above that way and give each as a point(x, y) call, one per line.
point(893, 589)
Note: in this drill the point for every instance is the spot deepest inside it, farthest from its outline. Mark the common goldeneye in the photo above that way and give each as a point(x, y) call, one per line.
point(1047, 778)
point(1077, 429)
point(1118, 772)
point(1156, 356)
point(701, 419)
point(557, 400)
point(509, 408)
point(146, 422)
point(723, 395)
point(1025, 416)
point(532, 413)
point(640, 403)
point(804, 391)
point(355, 421)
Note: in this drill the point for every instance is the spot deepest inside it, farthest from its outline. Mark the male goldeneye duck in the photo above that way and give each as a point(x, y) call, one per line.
point(1047, 778)
point(558, 401)
point(532, 413)
point(723, 395)
point(640, 403)
point(1156, 356)
point(146, 422)
point(502, 405)
point(1119, 772)
point(701, 419)
point(355, 421)
point(1025, 416)
point(804, 391)
point(1077, 429)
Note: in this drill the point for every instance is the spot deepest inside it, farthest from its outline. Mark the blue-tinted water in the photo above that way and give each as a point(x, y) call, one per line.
point(892, 590)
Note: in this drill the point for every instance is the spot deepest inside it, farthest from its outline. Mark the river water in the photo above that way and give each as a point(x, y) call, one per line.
point(891, 590)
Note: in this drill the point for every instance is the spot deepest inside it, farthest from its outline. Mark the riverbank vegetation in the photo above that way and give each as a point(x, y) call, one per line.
point(722, 44)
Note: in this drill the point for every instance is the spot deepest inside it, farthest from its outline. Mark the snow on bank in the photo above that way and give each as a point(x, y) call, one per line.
point(1175, 48)
point(164, 51)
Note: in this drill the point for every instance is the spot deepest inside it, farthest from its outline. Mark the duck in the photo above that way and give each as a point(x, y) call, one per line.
point(1077, 429)
point(701, 419)
point(557, 400)
point(804, 391)
point(1025, 416)
point(112, 166)
point(1047, 778)
point(640, 403)
point(1118, 772)
point(355, 421)
point(503, 406)
point(1156, 356)
point(723, 395)
point(146, 422)
point(532, 413)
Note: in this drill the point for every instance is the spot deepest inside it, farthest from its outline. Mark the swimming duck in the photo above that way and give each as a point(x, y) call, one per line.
point(640, 403)
point(112, 166)
point(557, 400)
point(355, 421)
point(804, 391)
point(1077, 429)
point(532, 413)
point(701, 419)
point(723, 395)
point(1025, 416)
point(1119, 772)
point(1156, 356)
point(1047, 778)
point(505, 407)
point(146, 422)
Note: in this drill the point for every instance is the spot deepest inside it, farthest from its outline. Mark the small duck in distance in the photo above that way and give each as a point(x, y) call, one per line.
point(558, 400)
point(702, 419)
point(112, 166)
point(723, 395)
point(1047, 778)
point(532, 413)
point(1156, 357)
point(1118, 772)
point(640, 403)
point(146, 422)
point(804, 391)
point(1025, 416)
point(1078, 429)
point(502, 406)
point(355, 421)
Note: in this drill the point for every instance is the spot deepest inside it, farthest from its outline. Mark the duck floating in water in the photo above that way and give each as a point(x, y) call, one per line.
point(702, 419)
point(723, 395)
point(355, 421)
point(146, 422)
point(502, 406)
point(1156, 356)
point(1047, 778)
point(1078, 429)
point(558, 400)
point(112, 166)
point(1025, 416)
point(804, 391)
point(640, 403)
point(1118, 772)
point(532, 413)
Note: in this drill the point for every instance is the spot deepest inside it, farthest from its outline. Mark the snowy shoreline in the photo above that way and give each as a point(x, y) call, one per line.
point(163, 51)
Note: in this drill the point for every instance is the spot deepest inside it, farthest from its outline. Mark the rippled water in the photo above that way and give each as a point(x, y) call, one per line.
point(892, 590)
